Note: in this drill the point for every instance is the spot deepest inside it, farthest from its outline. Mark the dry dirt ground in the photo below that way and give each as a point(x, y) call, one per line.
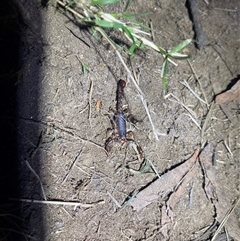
point(62, 133)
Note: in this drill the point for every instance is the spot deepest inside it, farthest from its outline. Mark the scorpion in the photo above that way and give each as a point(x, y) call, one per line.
point(119, 123)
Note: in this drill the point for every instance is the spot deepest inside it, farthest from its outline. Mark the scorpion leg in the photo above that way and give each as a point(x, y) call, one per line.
point(112, 120)
point(139, 148)
point(109, 143)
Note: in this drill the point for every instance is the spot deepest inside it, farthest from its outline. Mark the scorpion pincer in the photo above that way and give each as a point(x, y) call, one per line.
point(119, 122)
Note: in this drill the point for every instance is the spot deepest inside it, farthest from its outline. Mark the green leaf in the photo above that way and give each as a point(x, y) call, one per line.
point(127, 5)
point(132, 48)
point(164, 73)
point(84, 69)
point(70, 3)
point(106, 24)
point(179, 56)
point(128, 33)
point(94, 33)
point(131, 17)
point(179, 46)
point(103, 2)
point(162, 50)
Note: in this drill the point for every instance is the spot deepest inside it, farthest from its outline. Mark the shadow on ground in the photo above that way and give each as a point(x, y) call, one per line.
point(13, 48)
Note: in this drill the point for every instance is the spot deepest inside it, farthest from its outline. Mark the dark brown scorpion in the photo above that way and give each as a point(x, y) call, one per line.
point(119, 123)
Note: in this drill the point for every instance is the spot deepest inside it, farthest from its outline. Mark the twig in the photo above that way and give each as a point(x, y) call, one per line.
point(226, 9)
point(154, 169)
point(58, 202)
point(90, 102)
point(69, 132)
point(225, 219)
point(185, 83)
point(69, 9)
point(191, 112)
point(155, 132)
point(66, 130)
point(67, 213)
point(36, 175)
point(114, 200)
point(83, 171)
point(55, 96)
point(194, 121)
point(209, 114)
point(83, 110)
point(71, 167)
point(207, 231)
point(197, 78)
point(228, 148)
point(134, 72)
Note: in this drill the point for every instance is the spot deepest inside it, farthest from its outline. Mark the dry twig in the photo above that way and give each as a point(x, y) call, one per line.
point(58, 202)
point(225, 219)
point(36, 175)
point(72, 165)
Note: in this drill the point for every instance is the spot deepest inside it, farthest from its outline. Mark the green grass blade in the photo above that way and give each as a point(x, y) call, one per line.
point(162, 50)
point(103, 2)
point(128, 33)
point(179, 46)
point(179, 56)
point(132, 48)
point(164, 73)
point(70, 3)
point(94, 33)
point(84, 69)
point(127, 5)
point(106, 24)
point(131, 18)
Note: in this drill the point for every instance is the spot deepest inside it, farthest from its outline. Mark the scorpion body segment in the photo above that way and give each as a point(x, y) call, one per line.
point(120, 95)
point(121, 126)
point(120, 119)
point(119, 123)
